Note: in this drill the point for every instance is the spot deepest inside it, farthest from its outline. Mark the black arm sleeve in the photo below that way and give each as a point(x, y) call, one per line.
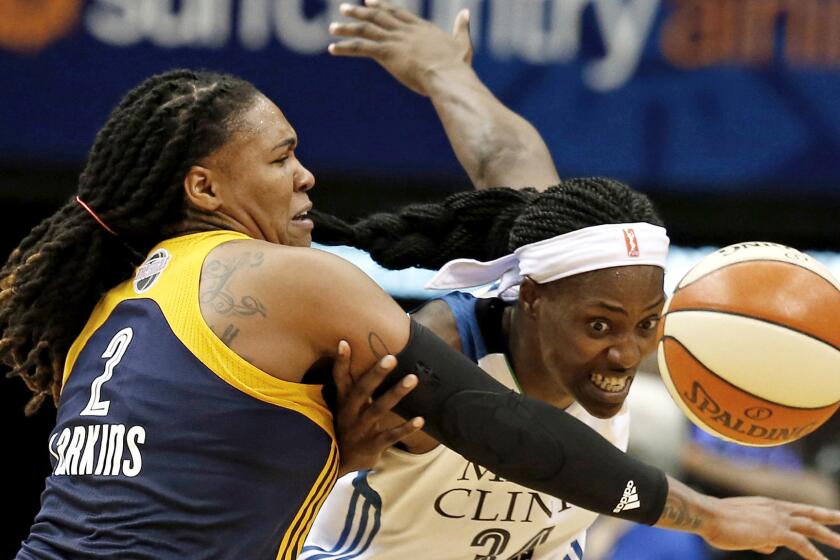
point(522, 439)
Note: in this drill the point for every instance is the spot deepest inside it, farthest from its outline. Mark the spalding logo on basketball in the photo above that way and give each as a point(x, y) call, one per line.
point(749, 344)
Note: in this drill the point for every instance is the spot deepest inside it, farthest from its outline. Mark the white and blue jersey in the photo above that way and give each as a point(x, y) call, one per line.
point(440, 505)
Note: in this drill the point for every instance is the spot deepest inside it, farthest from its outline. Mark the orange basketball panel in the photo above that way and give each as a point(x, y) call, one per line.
point(732, 412)
point(774, 291)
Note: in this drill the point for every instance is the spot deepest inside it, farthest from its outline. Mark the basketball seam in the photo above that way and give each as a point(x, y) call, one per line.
point(818, 275)
point(694, 417)
point(762, 319)
point(707, 368)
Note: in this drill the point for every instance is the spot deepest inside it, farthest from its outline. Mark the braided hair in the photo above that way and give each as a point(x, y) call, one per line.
point(486, 224)
point(133, 179)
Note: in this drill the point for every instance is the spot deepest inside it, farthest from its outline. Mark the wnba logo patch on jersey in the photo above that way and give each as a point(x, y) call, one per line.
point(150, 271)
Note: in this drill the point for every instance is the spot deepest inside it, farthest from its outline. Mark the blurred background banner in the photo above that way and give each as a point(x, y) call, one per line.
point(726, 112)
point(694, 96)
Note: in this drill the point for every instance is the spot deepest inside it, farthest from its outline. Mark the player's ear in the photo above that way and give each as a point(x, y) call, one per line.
point(529, 296)
point(201, 189)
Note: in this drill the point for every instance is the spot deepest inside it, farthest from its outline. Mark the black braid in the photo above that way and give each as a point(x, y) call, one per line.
point(133, 180)
point(486, 224)
point(470, 224)
point(579, 203)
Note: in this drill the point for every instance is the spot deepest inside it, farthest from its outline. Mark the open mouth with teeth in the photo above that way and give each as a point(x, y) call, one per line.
point(301, 216)
point(608, 383)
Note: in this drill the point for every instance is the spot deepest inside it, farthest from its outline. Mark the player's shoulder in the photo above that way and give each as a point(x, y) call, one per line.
point(280, 259)
point(438, 317)
point(285, 271)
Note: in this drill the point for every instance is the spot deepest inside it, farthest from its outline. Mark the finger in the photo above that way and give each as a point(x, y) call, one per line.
point(392, 436)
point(363, 30)
point(376, 16)
point(372, 378)
point(766, 549)
point(384, 404)
point(341, 369)
point(395, 12)
point(816, 531)
point(457, 26)
point(817, 513)
point(822, 515)
point(803, 547)
point(355, 47)
point(461, 33)
point(358, 397)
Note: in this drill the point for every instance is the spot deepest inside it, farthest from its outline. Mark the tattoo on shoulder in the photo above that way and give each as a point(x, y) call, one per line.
point(216, 291)
point(377, 346)
point(230, 333)
point(679, 514)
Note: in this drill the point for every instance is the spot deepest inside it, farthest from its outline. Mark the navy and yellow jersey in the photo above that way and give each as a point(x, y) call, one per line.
point(170, 445)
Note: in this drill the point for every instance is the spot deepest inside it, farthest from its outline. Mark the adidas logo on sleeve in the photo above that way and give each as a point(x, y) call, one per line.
point(629, 500)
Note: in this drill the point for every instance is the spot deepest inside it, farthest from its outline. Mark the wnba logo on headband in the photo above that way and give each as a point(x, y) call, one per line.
point(632, 242)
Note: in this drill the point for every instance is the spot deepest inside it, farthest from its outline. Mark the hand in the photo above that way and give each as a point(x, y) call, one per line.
point(408, 47)
point(760, 524)
point(361, 436)
point(763, 524)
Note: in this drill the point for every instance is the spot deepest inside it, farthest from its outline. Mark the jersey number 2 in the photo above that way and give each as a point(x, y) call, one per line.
point(114, 353)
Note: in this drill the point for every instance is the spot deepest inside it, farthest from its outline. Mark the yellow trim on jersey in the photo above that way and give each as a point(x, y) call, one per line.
point(176, 291)
point(292, 542)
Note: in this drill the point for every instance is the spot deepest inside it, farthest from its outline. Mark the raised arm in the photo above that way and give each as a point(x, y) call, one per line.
point(494, 145)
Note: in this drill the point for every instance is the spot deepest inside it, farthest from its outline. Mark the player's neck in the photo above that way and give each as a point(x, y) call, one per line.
point(197, 221)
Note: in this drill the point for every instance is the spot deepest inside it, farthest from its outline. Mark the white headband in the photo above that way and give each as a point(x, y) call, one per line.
point(584, 250)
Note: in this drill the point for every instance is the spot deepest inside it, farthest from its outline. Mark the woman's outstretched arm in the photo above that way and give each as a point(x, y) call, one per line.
point(495, 146)
point(326, 299)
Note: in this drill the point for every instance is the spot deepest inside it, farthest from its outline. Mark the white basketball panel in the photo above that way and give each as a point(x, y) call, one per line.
point(767, 360)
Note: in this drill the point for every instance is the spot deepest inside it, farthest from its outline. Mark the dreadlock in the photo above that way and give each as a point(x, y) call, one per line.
point(133, 180)
point(486, 224)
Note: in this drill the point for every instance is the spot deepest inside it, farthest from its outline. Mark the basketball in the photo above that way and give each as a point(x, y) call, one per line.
point(749, 344)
